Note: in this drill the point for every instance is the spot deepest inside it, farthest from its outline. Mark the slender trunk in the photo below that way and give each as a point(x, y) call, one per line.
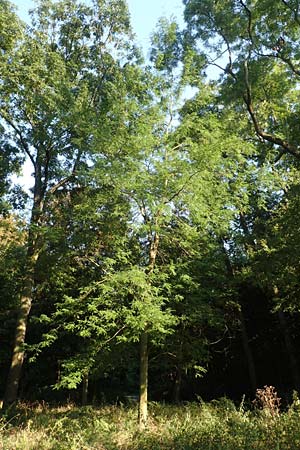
point(85, 388)
point(14, 375)
point(245, 339)
point(250, 247)
point(143, 402)
point(290, 349)
point(178, 376)
point(248, 354)
point(177, 387)
point(288, 342)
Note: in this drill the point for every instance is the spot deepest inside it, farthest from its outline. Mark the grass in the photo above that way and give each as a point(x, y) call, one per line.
point(217, 425)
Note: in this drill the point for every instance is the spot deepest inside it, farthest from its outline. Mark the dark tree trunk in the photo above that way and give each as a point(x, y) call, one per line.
point(288, 342)
point(245, 339)
point(248, 354)
point(290, 349)
point(177, 386)
point(143, 402)
point(14, 375)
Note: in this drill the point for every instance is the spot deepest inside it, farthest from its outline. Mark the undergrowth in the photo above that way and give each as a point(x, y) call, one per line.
point(218, 425)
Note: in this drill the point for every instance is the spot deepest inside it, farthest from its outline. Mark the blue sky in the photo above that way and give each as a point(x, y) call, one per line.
point(144, 15)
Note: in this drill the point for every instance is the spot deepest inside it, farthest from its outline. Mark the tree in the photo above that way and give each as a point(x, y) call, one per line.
point(58, 82)
point(255, 47)
point(165, 182)
point(124, 296)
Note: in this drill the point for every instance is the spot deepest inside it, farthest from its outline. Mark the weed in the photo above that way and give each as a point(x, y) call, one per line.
point(268, 400)
point(217, 425)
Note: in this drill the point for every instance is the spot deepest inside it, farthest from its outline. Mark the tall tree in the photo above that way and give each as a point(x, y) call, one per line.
point(59, 81)
point(254, 48)
point(165, 180)
point(254, 45)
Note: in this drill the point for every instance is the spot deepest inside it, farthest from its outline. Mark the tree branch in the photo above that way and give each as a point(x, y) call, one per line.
point(65, 180)
point(114, 335)
point(289, 63)
point(229, 66)
point(249, 14)
point(20, 135)
point(284, 144)
point(182, 187)
point(295, 13)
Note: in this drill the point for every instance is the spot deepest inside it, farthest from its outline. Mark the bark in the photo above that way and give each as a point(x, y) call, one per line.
point(153, 252)
point(143, 400)
point(15, 371)
point(288, 343)
point(178, 382)
point(85, 388)
point(143, 403)
point(14, 375)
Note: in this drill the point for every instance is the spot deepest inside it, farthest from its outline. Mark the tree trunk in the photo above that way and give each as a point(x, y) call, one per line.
point(177, 387)
point(290, 349)
point(14, 375)
point(85, 388)
point(178, 376)
point(288, 343)
point(248, 354)
point(245, 339)
point(143, 401)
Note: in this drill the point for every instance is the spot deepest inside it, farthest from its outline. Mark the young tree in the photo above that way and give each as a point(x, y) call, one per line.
point(154, 178)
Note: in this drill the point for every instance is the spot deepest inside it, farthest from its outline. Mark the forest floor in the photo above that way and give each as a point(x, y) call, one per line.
point(218, 425)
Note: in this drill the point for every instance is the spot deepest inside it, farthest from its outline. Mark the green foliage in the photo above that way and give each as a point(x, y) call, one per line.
point(254, 45)
point(166, 45)
point(11, 28)
point(254, 48)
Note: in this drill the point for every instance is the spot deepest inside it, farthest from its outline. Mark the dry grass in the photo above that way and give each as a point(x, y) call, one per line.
point(218, 425)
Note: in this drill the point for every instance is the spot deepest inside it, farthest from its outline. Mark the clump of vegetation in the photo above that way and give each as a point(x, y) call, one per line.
point(268, 400)
point(218, 425)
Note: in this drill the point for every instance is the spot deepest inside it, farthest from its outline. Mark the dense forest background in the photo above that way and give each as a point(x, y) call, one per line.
point(159, 241)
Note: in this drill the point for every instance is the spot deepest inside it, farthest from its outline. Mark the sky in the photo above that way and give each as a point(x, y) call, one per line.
point(144, 15)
